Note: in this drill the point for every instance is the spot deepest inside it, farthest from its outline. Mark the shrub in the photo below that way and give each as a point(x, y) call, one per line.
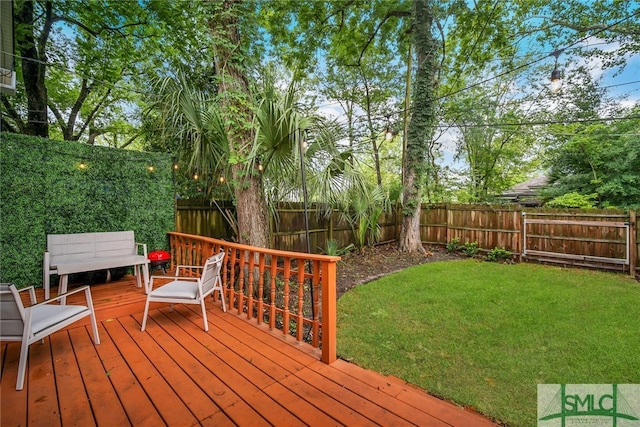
point(574, 200)
point(453, 245)
point(499, 255)
point(333, 248)
point(470, 249)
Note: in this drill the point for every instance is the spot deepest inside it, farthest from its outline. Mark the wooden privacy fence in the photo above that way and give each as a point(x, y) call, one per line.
point(597, 238)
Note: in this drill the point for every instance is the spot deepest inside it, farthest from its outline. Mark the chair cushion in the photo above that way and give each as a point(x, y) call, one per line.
point(177, 289)
point(48, 315)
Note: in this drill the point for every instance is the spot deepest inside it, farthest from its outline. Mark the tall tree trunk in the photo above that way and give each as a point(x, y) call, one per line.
point(234, 98)
point(34, 68)
point(421, 127)
point(251, 209)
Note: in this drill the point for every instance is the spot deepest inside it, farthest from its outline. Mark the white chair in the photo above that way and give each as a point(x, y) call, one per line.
point(188, 290)
point(33, 323)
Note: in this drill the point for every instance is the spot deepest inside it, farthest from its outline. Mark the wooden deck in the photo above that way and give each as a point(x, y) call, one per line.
point(176, 374)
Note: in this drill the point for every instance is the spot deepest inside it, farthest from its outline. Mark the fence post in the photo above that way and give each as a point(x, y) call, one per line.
point(397, 219)
point(331, 215)
point(633, 248)
point(522, 234)
point(447, 222)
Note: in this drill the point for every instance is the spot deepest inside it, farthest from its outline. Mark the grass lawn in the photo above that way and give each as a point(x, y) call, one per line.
point(484, 334)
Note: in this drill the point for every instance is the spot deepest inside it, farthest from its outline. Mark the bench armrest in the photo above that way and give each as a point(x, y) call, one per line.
point(144, 248)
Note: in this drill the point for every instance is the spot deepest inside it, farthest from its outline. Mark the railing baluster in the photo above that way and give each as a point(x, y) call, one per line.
point(315, 282)
point(241, 282)
point(300, 313)
point(286, 314)
point(232, 280)
point(261, 288)
point(250, 287)
point(274, 284)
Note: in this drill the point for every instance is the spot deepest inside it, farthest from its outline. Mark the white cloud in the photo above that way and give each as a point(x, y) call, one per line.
point(330, 112)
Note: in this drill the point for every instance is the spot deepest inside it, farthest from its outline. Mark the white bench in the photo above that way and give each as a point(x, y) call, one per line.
point(81, 252)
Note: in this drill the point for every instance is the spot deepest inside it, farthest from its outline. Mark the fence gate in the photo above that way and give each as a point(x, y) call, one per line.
point(605, 238)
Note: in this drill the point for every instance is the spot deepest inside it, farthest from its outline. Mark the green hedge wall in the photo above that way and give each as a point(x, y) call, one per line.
point(44, 190)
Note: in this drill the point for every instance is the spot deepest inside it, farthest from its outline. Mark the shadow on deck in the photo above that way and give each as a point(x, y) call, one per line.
point(174, 373)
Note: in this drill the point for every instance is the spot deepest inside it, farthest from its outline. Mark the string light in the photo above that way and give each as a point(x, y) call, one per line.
point(556, 82)
point(151, 168)
point(195, 176)
point(556, 76)
point(388, 136)
point(221, 179)
point(82, 165)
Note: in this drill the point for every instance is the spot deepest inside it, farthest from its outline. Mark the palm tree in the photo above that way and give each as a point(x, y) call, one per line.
point(289, 140)
point(192, 118)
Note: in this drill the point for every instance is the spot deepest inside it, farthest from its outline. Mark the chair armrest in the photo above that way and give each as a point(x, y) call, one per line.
point(171, 278)
point(32, 294)
point(66, 294)
point(144, 248)
point(187, 267)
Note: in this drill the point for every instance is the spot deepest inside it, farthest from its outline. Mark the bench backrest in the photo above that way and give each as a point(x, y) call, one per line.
point(90, 245)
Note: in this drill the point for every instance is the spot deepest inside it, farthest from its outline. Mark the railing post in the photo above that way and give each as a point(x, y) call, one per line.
point(329, 302)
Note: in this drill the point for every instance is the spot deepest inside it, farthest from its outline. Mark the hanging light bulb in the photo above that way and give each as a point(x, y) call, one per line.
point(175, 166)
point(556, 80)
point(221, 179)
point(556, 75)
point(195, 176)
point(260, 166)
point(388, 136)
point(151, 168)
point(82, 165)
point(303, 139)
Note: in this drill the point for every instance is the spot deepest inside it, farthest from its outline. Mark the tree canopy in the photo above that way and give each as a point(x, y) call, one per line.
point(463, 86)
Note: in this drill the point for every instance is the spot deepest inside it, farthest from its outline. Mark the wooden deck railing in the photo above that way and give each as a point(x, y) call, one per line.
point(290, 291)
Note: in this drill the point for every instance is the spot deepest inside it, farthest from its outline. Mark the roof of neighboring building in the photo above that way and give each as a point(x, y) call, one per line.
point(526, 193)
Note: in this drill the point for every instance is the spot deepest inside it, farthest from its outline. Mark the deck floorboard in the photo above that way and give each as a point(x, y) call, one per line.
point(176, 374)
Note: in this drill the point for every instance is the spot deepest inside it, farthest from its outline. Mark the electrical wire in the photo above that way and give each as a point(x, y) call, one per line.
point(387, 114)
point(518, 68)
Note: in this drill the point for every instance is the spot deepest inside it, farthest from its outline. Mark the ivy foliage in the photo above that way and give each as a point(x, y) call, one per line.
point(51, 187)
